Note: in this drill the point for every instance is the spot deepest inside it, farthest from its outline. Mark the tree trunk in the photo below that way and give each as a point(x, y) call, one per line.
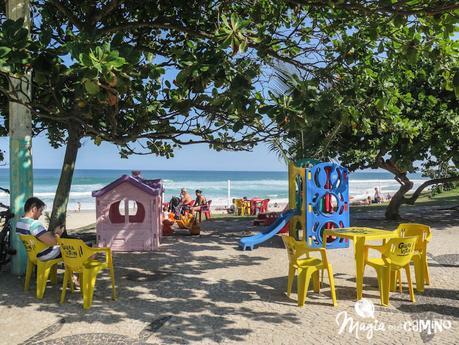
point(61, 198)
point(393, 209)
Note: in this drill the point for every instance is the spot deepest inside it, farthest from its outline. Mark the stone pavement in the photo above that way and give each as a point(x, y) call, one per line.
point(204, 290)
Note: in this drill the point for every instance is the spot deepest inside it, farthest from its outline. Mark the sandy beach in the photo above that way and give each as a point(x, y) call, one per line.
point(84, 218)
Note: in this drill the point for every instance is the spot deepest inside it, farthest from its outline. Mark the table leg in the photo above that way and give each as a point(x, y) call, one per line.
point(359, 245)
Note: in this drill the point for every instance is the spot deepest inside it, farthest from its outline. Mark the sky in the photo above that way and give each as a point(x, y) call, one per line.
point(192, 157)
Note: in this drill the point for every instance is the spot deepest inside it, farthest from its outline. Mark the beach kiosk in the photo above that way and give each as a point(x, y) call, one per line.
point(128, 214)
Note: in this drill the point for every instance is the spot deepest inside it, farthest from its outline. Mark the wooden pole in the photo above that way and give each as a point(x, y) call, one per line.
point(20, 133)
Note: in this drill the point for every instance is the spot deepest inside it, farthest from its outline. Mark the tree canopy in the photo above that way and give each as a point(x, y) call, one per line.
point(154, 75)
point(398, 113)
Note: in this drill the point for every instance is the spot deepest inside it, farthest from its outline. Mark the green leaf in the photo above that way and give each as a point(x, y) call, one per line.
point(411, 55)
point(456, 78)
point(399, 20)
point(91, 87)
point(243, 46)
point(4, 51)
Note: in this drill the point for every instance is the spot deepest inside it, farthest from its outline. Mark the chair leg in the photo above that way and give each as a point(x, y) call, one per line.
point(53, 274)
point(42, 278)
point(393, 280)
point(89, 282)
point(380, 285)
point(410, 284)
point(418, 273)
point(304, 278)
point(67, 276)
point(332, 284)
point(316, 281)
point(386, 283)
point(291, 276)
point(426, 270)
point(29, 271)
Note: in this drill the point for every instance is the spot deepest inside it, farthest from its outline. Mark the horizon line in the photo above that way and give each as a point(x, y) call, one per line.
point(368, 170)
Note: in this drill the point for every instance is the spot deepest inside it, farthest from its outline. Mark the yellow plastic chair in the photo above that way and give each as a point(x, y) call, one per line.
point(395, 255)
point(45, 269)
point(78, 258)
point(242, 206)
point(306, 268)
point(424, 235)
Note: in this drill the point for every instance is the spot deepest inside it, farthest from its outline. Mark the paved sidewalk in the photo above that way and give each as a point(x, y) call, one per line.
point(204, 290)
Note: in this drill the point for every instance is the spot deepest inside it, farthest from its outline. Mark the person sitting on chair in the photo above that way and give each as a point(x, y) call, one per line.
point(200, 201)
point(30, 225)
point(185, 197)
point(185, 200)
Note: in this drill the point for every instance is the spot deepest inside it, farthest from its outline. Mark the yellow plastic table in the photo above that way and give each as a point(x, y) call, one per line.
point(359, 235)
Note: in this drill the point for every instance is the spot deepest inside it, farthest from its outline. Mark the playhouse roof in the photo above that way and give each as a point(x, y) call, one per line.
point(152, 187)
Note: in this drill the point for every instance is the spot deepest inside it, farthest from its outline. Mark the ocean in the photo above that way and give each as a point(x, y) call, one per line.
point(214, 184)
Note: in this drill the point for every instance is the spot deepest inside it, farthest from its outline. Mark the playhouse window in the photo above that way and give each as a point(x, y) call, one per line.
point(114, 214)
point(135, 212)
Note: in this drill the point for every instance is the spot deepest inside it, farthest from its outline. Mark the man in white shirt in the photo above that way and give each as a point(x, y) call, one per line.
point(30, 225)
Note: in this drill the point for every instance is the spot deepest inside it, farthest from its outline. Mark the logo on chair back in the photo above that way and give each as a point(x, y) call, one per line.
point(70, 251)
point(404, 248)
point(29, 246)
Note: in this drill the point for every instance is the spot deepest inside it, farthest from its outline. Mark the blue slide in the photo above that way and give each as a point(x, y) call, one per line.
point(273, 229)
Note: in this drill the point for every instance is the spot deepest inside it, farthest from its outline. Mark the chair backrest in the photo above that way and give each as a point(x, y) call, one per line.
point(400, 250)
point(33, 246)
point(421, 231)
point(295, 248)
point(264, 204)
point(241, 203)
point(74, 253)
point(206, 206)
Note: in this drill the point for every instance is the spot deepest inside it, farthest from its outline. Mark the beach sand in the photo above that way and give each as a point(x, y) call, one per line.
point(204, 290)
point(84, 218)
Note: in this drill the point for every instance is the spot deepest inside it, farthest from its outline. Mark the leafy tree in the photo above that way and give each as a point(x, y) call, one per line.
point(111, 76)
point(384, 112)
point(152, 76)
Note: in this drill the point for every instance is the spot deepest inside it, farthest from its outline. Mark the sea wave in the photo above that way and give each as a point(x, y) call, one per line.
point(217, 191)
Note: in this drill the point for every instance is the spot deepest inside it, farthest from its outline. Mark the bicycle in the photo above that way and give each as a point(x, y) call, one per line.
point(6, 251)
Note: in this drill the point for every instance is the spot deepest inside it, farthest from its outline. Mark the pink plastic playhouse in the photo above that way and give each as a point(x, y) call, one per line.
point(129, 214)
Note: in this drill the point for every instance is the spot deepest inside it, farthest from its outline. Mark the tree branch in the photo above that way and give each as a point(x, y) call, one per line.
point(66, 12)
point(419, 190)
point(103, 12)
point(154, 25)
